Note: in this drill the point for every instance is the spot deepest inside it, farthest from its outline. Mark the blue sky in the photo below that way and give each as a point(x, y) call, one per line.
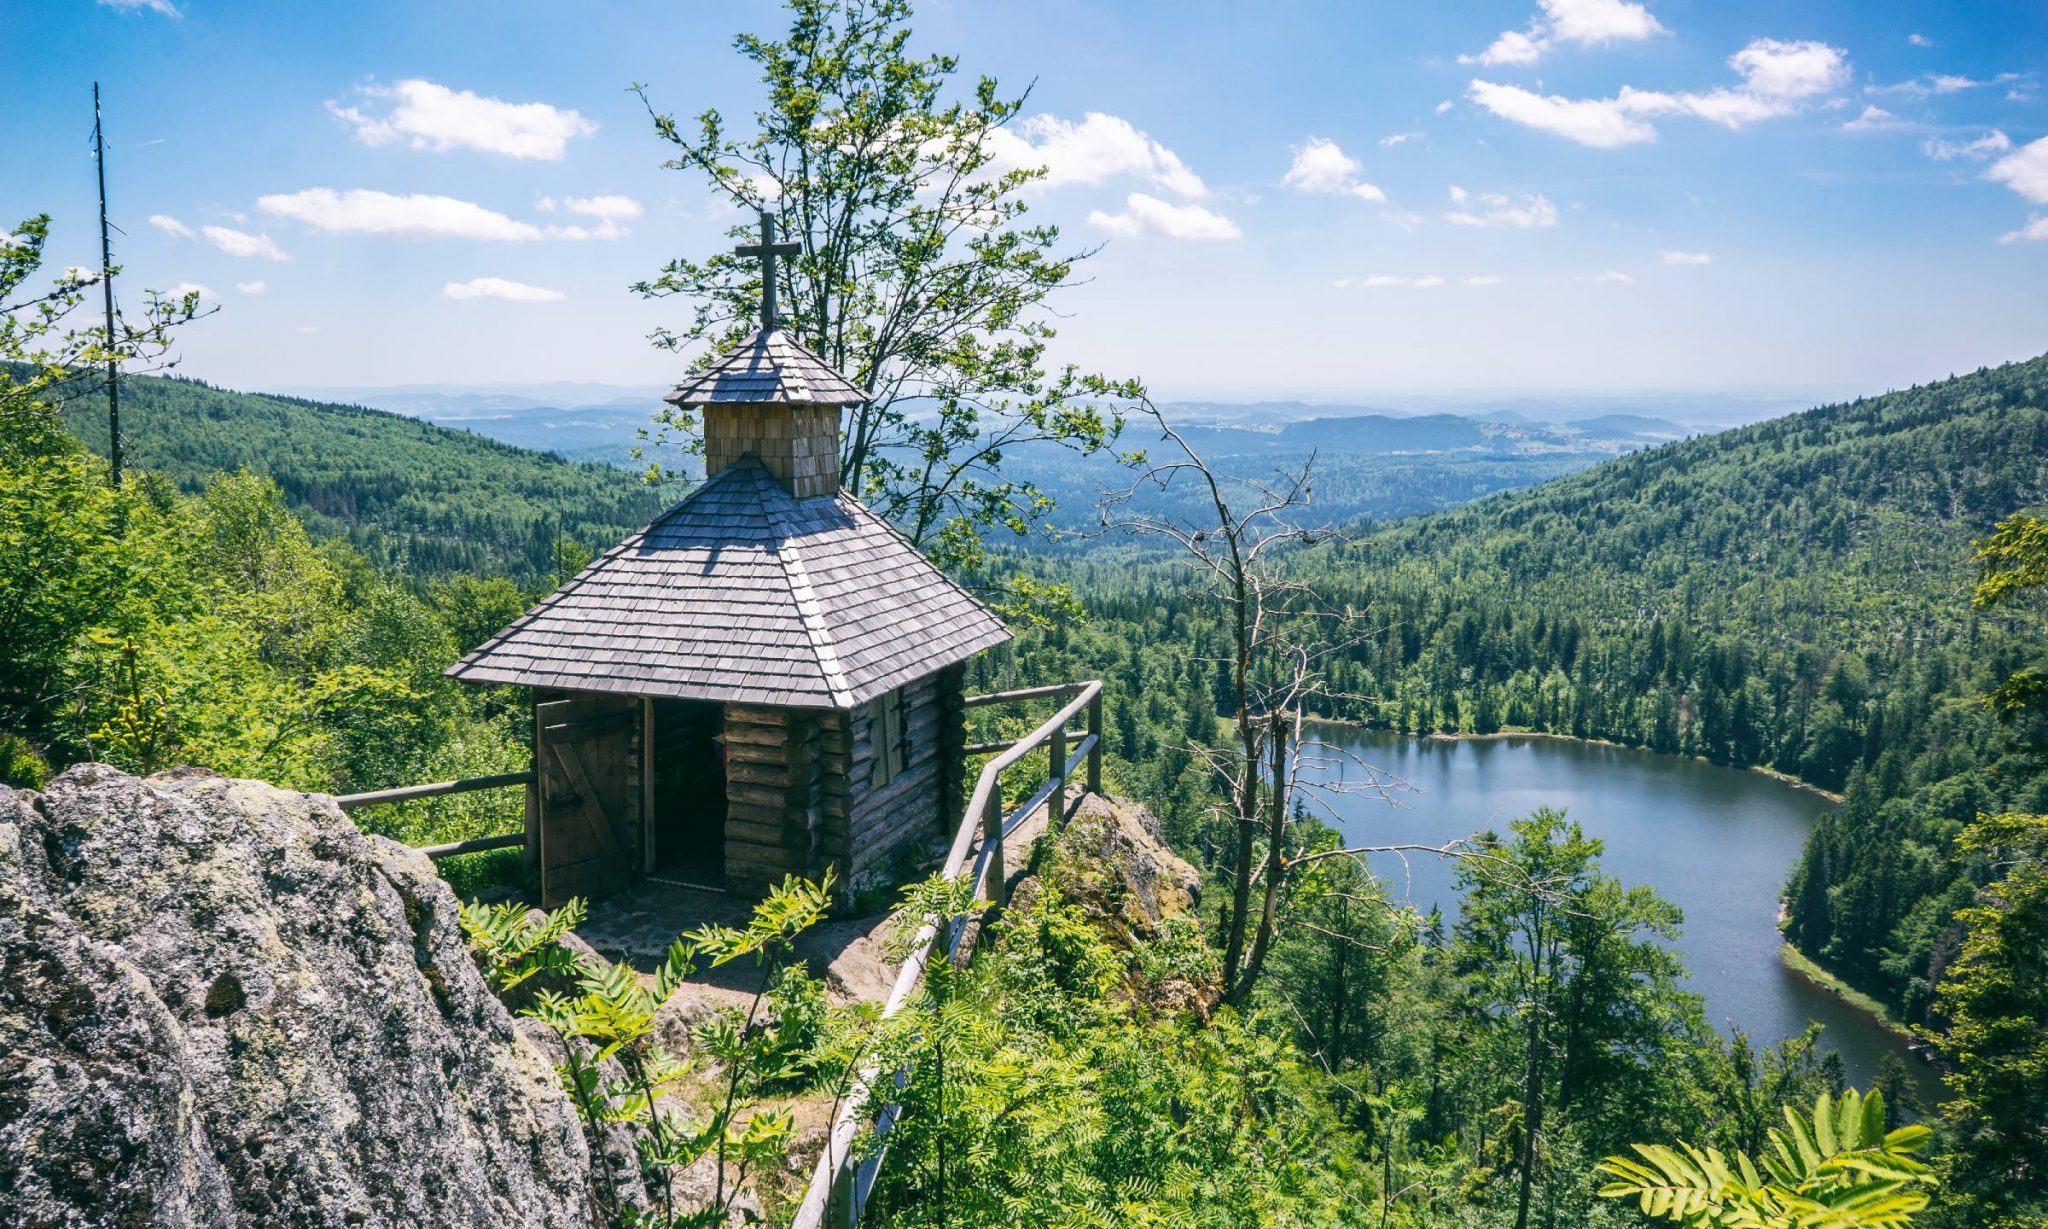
point(1339, 202)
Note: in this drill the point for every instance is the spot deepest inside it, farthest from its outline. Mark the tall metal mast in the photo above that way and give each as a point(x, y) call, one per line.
point(99, 149)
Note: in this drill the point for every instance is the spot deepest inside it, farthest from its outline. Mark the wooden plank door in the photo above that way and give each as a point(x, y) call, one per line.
point(584, 757)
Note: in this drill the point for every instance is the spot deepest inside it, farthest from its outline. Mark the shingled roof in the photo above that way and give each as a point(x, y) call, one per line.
point(770, 366)
point(743, 593)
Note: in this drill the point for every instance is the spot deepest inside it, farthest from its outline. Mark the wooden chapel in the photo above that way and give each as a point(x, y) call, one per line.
point(766, 680)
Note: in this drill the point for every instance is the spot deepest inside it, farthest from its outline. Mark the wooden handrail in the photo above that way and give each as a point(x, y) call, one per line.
point(476, 844)
point(406, 793)
point(1027, 693)
point(984, 817)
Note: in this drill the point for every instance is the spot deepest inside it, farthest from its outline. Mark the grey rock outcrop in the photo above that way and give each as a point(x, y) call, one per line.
point(1111, 859)
point(221, 1004)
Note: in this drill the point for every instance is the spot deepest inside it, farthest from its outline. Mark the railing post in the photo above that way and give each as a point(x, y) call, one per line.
point(1058, 803)
point(992, 832)
point(1095, 750)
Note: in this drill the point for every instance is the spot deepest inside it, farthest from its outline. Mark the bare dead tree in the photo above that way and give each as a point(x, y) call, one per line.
point(1281, 636)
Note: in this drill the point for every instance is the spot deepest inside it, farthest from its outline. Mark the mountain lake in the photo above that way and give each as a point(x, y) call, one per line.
point(1716, 841)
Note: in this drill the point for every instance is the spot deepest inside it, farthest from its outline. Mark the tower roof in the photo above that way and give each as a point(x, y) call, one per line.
point(769, 367)
point(744, 593)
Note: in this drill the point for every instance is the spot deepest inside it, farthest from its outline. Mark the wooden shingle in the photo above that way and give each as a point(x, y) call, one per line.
point(771, 366)
point(743, 593)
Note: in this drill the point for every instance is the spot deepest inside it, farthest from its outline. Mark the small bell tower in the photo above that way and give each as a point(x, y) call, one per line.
point(771, 397)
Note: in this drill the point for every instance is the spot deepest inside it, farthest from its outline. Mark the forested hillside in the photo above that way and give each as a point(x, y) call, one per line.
point(1793, 594)
point(428, 500)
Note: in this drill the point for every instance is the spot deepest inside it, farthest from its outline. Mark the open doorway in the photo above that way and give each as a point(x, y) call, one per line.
point(688, 760)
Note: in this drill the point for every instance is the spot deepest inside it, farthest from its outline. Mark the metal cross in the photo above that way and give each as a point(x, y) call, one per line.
point(768, 250)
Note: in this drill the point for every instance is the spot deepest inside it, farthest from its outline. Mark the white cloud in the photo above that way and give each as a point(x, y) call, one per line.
point(309, 328)
point(1399, 138)
point(1499, 209)
point(259, 286)
point(1512, 47)
point(2036, 230)
point(1778, 78)
point(420, 216)
point(1920, 40)
point(242, 243)
point(79, 275)
point(1427, 281)
point(1602, 123)
point(170, 226)
point(1096, 150)
point(1148, 215)
point(1874, 119)
point(1941, 83)
point(1485, 279)
point(2025, 171)
point(1685, 258)
point(182, 289)
point(1599, 22)
point(1320, 166)
point(1444, 106)
point(155, 6)
point(434, 117)
point(1992, 142)
point(499, 288)
point(1776, 69)
point(609, 208)
point(1585, 23)
point(1613, 277)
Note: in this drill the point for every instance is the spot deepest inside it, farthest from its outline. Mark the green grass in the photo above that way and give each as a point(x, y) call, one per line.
point(1800, 963)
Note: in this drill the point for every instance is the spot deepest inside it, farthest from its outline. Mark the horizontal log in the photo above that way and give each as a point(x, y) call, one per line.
point(877, 843)
point(1087, 744)
point(774, 796)
point(768, 835)
point(757, 772)
point(752, 879)
point(917, 781)
point(762, 855)
point(751, 736)
point(511, 840)
point(1022, 693)
point(406, 793)
point(1023, 810)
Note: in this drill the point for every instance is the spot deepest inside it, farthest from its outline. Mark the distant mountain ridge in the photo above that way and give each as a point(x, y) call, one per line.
point(445, 479)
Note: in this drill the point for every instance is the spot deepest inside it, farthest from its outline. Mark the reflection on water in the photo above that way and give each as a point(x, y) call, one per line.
point(1717, 842)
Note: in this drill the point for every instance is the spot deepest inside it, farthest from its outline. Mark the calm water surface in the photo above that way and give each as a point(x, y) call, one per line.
point(1717, 842)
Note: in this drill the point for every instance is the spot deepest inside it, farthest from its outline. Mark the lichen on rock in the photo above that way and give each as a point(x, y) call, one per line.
point(222, 1004)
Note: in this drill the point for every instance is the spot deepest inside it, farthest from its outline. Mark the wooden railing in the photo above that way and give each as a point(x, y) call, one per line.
point(839, 1188)
point(406, 793)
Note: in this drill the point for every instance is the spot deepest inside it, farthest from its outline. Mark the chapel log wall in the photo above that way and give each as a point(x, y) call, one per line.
point(772, 773)
point(922, 802)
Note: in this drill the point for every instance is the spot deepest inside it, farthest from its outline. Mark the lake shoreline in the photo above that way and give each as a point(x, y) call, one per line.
point(1810, 969)
point(1782, 778)
point(1858, 1026)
